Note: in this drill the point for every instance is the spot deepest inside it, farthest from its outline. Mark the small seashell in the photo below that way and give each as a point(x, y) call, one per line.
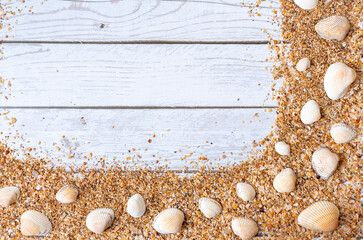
point(303, 64)
point(324, 162)
point(306, 4)
point(282, 148)
point(34, 223)
point(285, 181)
point(100, 219)
point(169, 221)
point(136, 206)
point(67, 194)
point(342, 133)
point(8, 196)
point(310, 112)
point(333, 28)
point(338, 79)
point(209, 207)
point(245, 191)
point(320, 216)
point(244, 228)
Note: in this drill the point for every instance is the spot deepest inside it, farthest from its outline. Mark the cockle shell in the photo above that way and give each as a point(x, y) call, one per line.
point(244, 228)
point(245, 191)
point(306, 4)
point(303, 64)
point(8, 196)
point(324, 162)
point(310, 112)
point(282, 148)
point(285, 181)
point(67, 194)
point(209, 207)
point(337, 80)
point(333, 28)
point(136, 206)
point(34, 223)
point(320, 216)
point(169, 221)
point(100, 219)
point(342, 133)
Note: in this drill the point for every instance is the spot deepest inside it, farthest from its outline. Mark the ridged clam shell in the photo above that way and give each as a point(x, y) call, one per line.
point(306, 4)
point(136, 206)
point(324, 162)
point(245, 191)
point(303, 64)
point(320, 216)
point(169, 221)
point(67, 194)
point(8, 196)
point(337, 80)
point(282, 148)
point(209, 207)
point(100, 219)
point(34, 223)
point(310, 112)
point(285, 181)
point(333, 28)
point(342, 133)
point(244, 228)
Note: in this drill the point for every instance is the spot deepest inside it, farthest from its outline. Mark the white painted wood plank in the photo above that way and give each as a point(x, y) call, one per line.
point(136, 75)
point(140, 20)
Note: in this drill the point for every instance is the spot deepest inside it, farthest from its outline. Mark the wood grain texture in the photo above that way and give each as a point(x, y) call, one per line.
point(123, 75)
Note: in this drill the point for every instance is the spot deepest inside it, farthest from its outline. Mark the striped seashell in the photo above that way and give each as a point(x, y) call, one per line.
point(310, 112)
point(306, 4)
point(342, 133)
point(100, 219)
point(34, 223)
point(8, 196)
point(245, 191)
point(67, 194)
point(209, 207)
point(282, 148)
point(244, 228)
point(169, 221)
point(285, 181)
point(324, 162)
point(303, 64)
point(136, 206)
point(333, 28)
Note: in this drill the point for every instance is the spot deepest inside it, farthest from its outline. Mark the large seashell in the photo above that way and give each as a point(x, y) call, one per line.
point(282, 148)
point(342, 133)
point(245, 191)
point(303, 64)
point(209, 207)
point(324, 162)
point(8, 196)
point(333, 28)
point(100, 219)
point(169, 221)
point(136, 206)
point(310, 112)
point(34, 223)
point(285, 181)
point(337, 80)
point(244, 228)
point(306, 4)
point(320, 216)
point(67, 194)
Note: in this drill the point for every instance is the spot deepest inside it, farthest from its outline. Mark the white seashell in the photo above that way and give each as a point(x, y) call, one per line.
point(303, 64)
point(245, 191)
point(8, 196)
point(34, 223)
point(342, 133)
point(337, 80)
point(136, 206)
point(306, 4)
point(100, 219)
point(320, 216)
point(67, 194)
point(324, 162)
point(209, 207)
point(282, 148)
point(285, 181)
point(310, 112)
point(333, 28)
point(169, 221)
point(244, 228)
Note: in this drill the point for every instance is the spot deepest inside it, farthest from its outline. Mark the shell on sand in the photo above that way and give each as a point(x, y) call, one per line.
point(342, 133)
point(310, 112)
point(34, 223)
point(282, 148)
point(136, 206)
point(245, 191)
point(209, 207)
point(285, 181)
point(8, 196)
point(306, 4)
point(324, 162)
point(303, 64)
point(100, 219)
point(67, 194)
point(244, 228)
point(333, 28)
point(169, 221)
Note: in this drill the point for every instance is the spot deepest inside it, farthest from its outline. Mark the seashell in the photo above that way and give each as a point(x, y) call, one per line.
point(100, 219)
point(285, 181)
point(169, 221)
point(324, 162)
point(306, 4)
point(245, 191)
point(333, 28)
point(282, 148)
point(8, 196)
point(320, 216)
point(136, 206)
point(342, 133)
point(67, 194)
point(337, 80)
point(310, 112)
point(244, 228)
point(209, 207)
point(34, 223)
point(303, 64)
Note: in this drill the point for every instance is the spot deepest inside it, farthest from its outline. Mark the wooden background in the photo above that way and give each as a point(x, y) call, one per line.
point(142, 81)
